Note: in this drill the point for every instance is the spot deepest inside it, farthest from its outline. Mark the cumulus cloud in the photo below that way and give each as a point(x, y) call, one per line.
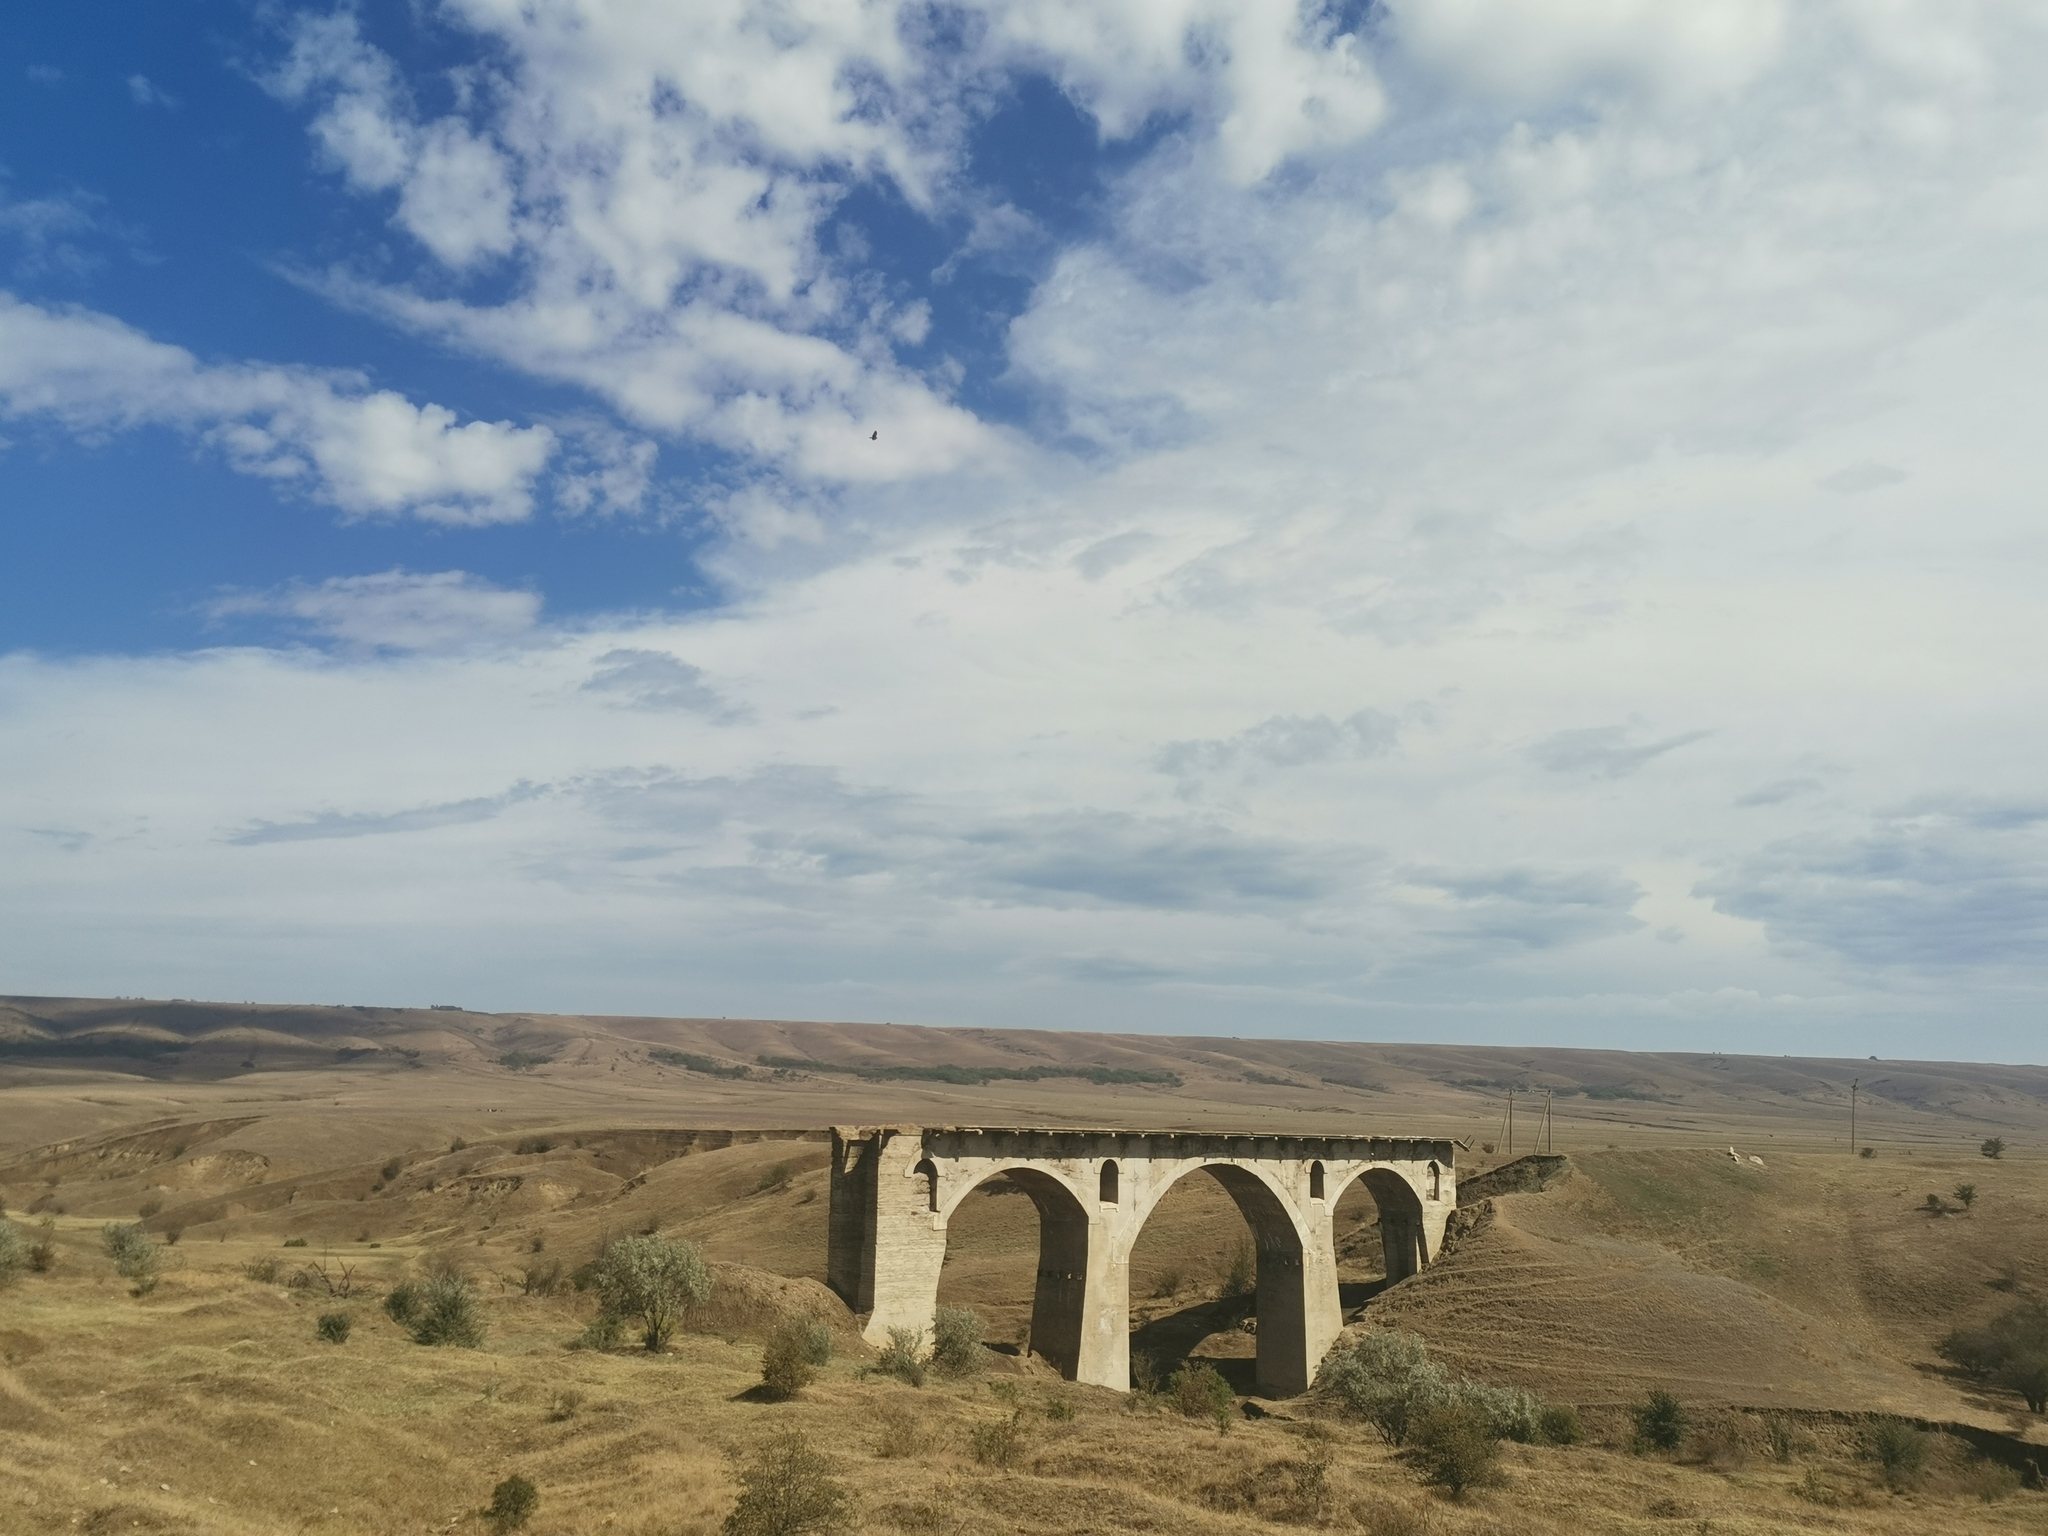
point(643, 679)
point(368, 452)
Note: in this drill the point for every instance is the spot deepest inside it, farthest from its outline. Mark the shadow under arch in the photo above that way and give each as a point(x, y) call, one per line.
point(1059, 1296)
point(1281, 1300)
point(1402, 1241)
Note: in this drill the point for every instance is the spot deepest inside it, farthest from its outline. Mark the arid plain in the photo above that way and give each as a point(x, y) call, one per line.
point(1789, 1297)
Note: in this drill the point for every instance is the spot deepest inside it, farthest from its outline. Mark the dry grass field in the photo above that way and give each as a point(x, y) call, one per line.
point(1783, 1304)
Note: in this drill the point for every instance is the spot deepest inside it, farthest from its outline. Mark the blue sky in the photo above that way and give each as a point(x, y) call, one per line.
point(1446, 519)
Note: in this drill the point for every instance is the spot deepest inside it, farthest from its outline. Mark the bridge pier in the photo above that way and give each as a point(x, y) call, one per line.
point(894, 1189)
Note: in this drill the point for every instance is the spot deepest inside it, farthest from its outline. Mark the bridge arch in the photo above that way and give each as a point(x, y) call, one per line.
point(1404, 1243)
point(1059, 1292)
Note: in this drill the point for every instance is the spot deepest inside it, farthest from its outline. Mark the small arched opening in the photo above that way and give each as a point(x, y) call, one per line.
point(1106, 1184)
point(1315, 1181)
point(1436, 1182)
point(928, 1182)
point(1020, 1264)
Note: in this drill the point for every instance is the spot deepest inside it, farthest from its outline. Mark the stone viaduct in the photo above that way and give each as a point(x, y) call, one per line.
point(894, 1189)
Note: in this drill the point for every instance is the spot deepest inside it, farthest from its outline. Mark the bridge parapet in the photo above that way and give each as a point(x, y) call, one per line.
point(894, 1189)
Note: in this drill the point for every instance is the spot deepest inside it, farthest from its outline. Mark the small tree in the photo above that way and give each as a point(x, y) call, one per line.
point(1454, 1445)
point(512, 1503)
point(654, 1280)
point(1966, 1195)
point(789, 1490)
point(956, 1342)
point(2026, 1372)
point(1660, 1422)
point(1992, 1146)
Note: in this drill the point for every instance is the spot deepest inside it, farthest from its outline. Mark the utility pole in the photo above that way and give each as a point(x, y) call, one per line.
point(1511, 1122)
point(1547, 1095)
point(1854, 1084)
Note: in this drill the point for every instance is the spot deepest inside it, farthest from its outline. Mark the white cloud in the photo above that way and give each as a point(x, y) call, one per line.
point(396, 610)
point(368, 452)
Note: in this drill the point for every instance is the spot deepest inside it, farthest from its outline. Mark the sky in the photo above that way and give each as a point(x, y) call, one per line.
point(1472, 520)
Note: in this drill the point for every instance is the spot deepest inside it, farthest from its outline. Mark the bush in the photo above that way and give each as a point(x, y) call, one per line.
point(997, 1442)
point(1454, 1445)
point(402, 1305)
point(1199, 1391)
point(956, 1342)
point(334, 1327)
point(786, 1367)
point(1660, 1422)
point(14, 1250)
point(602, 1332)
point(1992, 1146)
point(443, 1311)
point(512, 1503)
point(135, 1256)
point(903, 1356)
point(532, 1146)
point(898, 1433)
point(1242, 1277)
point(42, 1253)
point(1966, 1195)
point(1560, 1425)
point(1868, 1152)
point(1933, 1205)
point(391, 1170)
point(788, 1490)
point(295, 1242)
point(654, 1280)
point(1898, 1448)
point(150, 1207)
point(1778, 1436)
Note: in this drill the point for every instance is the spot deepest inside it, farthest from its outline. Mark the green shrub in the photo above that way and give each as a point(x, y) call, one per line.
point(898, 1432)
point(1198, 1390)
point(956, 1342)
point(1992, 1146)
point(443, 1311)
point(1454, 1446)
point(42, 1253)
point(1660, 1422)
point(602, 1332)
point(903, 1356)
point(653, 1280)
point(786, 1367)
point(1560, 1425)
point(391, 1170)
point(14, 1250)
point(788, 1490)
point(532, 1146)
point(150, 1207)
point(1898, 1448)
point(512, 1503)
point(295, 1242)
point(334, 1327)
point(1966, 1195)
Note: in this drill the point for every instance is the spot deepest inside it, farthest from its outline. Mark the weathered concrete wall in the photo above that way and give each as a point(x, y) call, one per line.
point(894, 1189)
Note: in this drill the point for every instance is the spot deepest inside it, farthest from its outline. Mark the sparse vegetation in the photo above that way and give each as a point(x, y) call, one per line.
point(42, 1253)
point(1966, 1195)
point(689, 1061)
point(523, 1061)
point(334, 1327)
point(1778, 1436)
point(1934, 1205)
point(897, 1433)
point(1660, 1422)
point(789, 1489)
point(774, 1181)
point(654, 1281)
point(1868, 1152)
point(533, 1146)
point(512, 1504)
point(150, 1207)
point(1559, 1425)
point(997, 1442)
point(442, 1309)
point(1992, 1147)
point(391, 1170)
